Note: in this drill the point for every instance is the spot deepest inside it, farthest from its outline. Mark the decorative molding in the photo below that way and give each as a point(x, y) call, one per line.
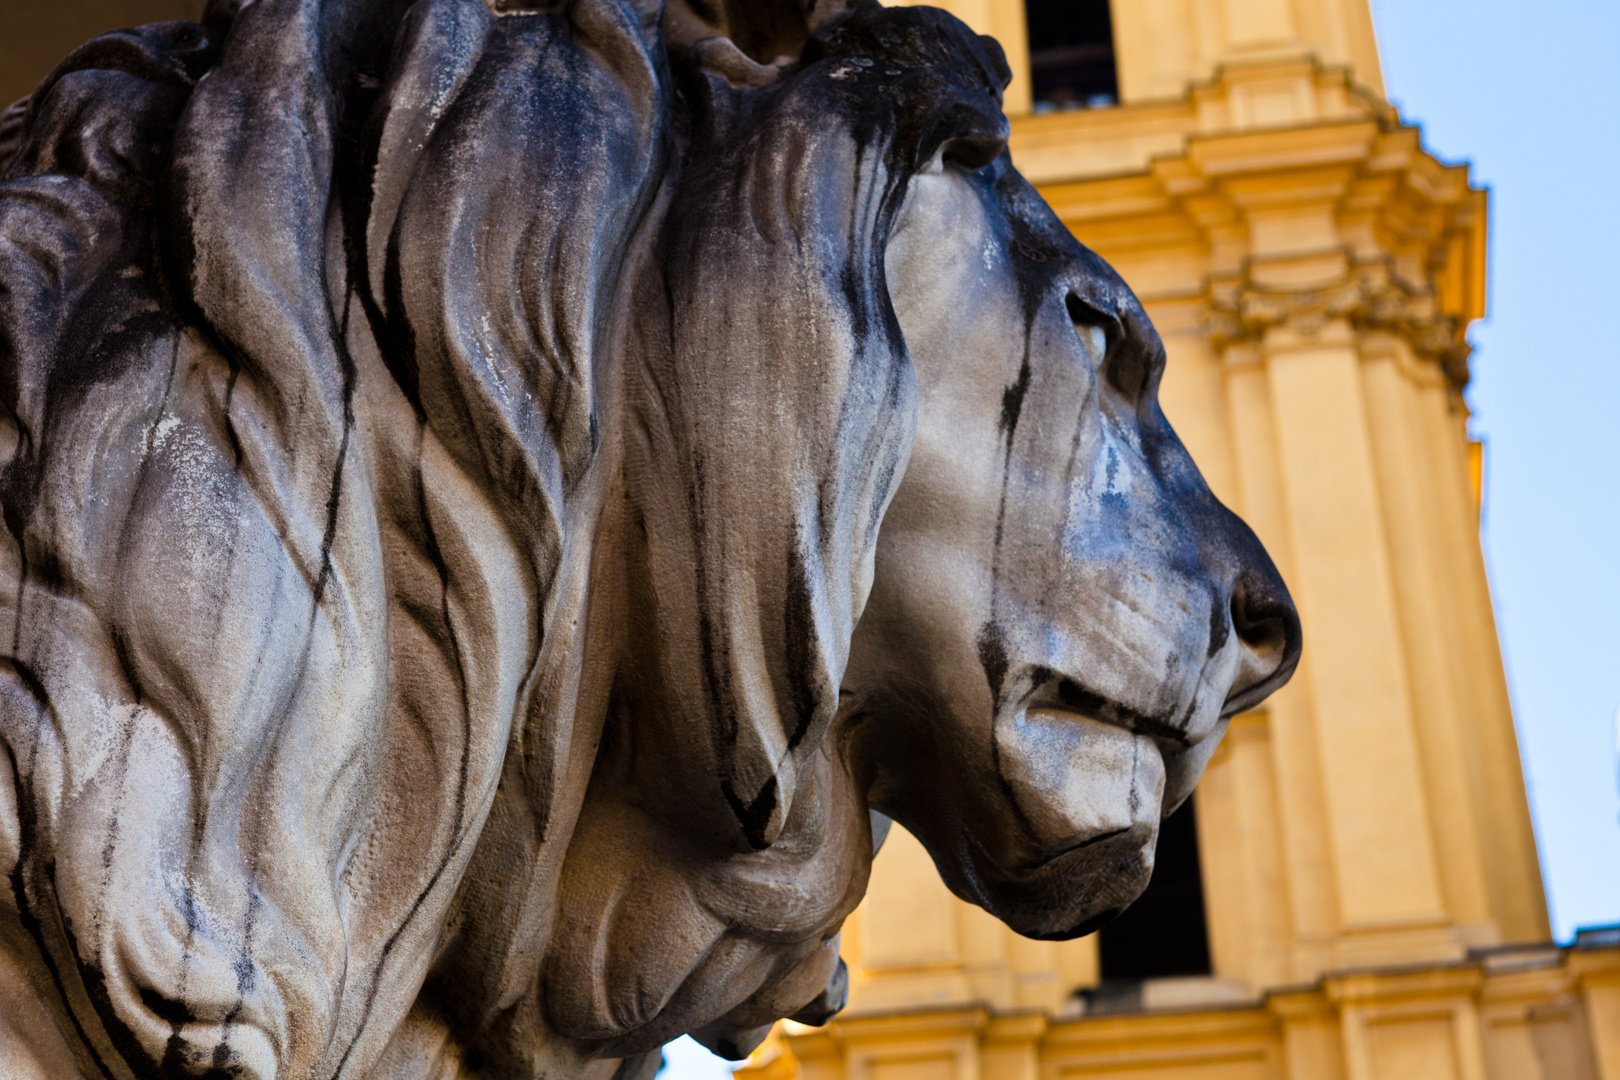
point(1369, 296)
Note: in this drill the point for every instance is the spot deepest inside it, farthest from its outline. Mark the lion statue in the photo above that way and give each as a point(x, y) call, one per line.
point(502, 504)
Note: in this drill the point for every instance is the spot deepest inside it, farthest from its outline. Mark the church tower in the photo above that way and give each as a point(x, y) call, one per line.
point(1353, 892)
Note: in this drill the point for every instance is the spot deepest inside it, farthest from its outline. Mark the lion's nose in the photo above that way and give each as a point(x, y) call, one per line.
point(1267, 627)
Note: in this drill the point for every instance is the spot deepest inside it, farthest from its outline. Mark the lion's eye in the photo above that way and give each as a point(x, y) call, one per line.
point(1095, 343)
point(1093, 338)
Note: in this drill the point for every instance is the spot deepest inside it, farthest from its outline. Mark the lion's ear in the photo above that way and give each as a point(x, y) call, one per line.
point(946, 101)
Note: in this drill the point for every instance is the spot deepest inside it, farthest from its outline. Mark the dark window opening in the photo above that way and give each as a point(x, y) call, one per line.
point(1163, 933)
point(1071, 54)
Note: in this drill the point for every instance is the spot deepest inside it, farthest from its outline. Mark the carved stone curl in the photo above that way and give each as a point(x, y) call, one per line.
point(495, 498)
point(1369, 295)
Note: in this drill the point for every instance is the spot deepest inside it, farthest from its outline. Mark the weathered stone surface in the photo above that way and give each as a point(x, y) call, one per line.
point(494, 496)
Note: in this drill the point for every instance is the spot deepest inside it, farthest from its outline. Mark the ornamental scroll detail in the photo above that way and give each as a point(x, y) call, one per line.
point(1370, 295)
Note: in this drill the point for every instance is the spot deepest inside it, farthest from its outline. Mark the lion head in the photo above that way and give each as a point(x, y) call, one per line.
point(496, 493)
point(1063, 616)
point(903, 528)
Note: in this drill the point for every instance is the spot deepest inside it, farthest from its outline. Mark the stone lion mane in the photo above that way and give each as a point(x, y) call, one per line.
point(444, 454)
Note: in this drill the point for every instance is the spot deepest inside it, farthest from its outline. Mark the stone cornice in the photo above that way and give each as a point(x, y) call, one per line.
point(1332, 211)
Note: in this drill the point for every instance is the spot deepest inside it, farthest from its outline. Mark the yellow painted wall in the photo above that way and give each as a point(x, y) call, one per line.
point(1534, 1014)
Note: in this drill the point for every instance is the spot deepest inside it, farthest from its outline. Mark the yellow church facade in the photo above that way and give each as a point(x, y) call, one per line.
point(1362, 856)
point(1354, 893)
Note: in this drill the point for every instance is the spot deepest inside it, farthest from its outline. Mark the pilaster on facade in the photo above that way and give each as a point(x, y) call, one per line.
point(1410, 1023)
point(1596, 973)
point(1535, 1017)
point(1309, 1027)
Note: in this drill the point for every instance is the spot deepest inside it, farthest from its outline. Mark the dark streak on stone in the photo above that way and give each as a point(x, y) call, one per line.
point(1012, 398)
point(1135, 799)
point(334, 496)
point(993, 658)
point(753, 816)
point(1220, 625)
point(436, 556)
point(231, 436)
point(396, 337)
point(126, 663)
point(22, 588)
point(94, 981)
point(1094, 705)
point(28, 829)
point(387, 950)
point(800, 638)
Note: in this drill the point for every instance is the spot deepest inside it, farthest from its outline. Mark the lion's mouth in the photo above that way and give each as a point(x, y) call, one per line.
point(1090, 841)
point(1079, 779)
point(1090, 705)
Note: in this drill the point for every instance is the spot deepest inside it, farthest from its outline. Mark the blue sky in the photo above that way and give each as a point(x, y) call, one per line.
point(1530, 95)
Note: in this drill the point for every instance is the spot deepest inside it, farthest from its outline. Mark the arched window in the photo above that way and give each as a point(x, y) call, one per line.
point(1071, 54)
